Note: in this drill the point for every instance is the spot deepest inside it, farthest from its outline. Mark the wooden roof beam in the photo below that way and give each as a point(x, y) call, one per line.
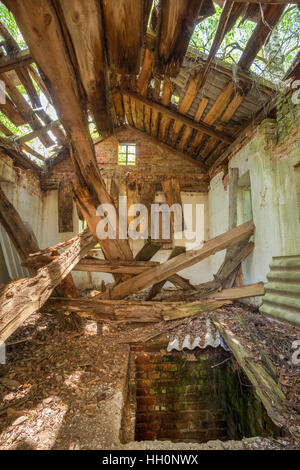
point(19, 59)
point(271, 15)
point(230, 13)
point(84, 24)
point(177, 22)
point(198, 126)
point(39, 20)
point(124, 28)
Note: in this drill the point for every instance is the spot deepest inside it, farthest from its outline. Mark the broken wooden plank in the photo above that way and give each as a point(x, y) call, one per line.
point(230, 13)
point(185, 260)
point(22, 239)
point(157, 287)
point(65, 206)
point(192, 309)
point(37, 133)
point(171, 189)
point(25, 242)
point(10, 110)
point(226, 273)
point(266, 360)
point(235, 293)
point(148, 251)
point(19, 299)
point(123, 25)
point(52, 55)
point(129, 311)
point(24, 109)
point(198, 126)
point(176, 25)
point(119, 267)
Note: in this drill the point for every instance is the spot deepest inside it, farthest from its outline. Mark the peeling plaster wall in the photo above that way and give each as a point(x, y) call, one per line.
point(270, 157)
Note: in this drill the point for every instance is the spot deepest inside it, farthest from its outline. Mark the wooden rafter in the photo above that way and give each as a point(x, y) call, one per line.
point(271, 15)
point(84, 24)
point(177, 22)
point(199, 126)
point(230, 13)
point(11, 62)
point(123, 25)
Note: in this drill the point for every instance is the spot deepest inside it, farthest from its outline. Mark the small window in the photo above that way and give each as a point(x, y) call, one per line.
point(127, 153)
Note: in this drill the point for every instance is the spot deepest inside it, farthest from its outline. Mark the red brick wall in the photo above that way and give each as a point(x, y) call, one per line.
point(152, 164)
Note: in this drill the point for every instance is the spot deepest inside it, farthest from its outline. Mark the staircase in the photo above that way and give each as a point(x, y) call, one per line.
point(282, 298)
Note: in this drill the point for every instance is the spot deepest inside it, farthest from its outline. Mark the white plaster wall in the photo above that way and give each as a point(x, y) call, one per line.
point(274, 204)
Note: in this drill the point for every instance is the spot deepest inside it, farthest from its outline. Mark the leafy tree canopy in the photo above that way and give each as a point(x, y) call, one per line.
point(274, 58)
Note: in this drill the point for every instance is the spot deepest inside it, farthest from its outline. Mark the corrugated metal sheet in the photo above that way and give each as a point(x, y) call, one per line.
point(207, 336)
point(282, 298)
point(12, 259)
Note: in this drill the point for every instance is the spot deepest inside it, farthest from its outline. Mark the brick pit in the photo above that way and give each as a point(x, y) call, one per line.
point(191, 397)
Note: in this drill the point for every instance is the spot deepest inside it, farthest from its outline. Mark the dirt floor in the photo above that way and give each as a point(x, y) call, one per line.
point(66, 390)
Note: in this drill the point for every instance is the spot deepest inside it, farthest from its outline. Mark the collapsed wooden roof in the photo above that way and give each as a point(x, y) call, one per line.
point(125, 63)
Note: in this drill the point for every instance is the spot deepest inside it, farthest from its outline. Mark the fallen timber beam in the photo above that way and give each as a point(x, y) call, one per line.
point(180, 262)
point(235, 293)
point(51, 53)
point(19, 59)
point(133, 312)
point(226, 273)
point(120, 267)
point(264, 384)
point(19, 299)
point(198, 126)
point(25, 242)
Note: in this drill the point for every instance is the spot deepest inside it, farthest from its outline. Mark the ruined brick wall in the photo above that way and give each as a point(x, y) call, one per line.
point(152, 164)
point(178, 399)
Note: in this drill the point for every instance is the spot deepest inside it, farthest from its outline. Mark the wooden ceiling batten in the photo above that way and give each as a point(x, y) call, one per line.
point(203, 127)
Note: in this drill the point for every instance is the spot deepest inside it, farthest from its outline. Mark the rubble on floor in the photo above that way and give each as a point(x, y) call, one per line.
point(63, 391)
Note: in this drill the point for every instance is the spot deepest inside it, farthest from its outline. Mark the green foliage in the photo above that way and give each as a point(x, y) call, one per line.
point(9, 22)
point(274, 58)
